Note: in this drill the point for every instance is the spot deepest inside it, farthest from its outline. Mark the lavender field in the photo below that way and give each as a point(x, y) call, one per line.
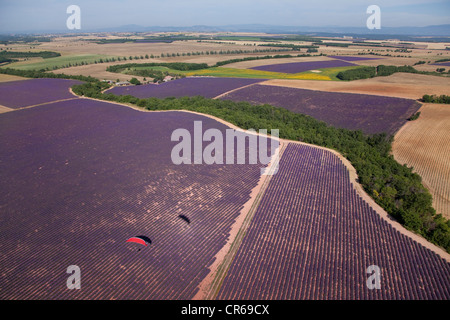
point(207, 87)
point(296, 67)
point(80, 177)
point(23, 93)
point(313, 237)
point(371, 114)
point(445, 64)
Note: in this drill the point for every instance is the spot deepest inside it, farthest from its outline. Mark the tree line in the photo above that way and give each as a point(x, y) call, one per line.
point(379, 71)
point(294, 47)
point(181, 66)
point(13, 56)
point(24, 54)
point(436, 99)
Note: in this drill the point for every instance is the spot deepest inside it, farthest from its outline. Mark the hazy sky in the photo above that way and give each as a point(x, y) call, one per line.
point(43, 15)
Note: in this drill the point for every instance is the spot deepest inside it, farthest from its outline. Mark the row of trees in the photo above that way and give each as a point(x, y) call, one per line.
point(23, 54)
point(6, 60)
point(294, 47)
point(13, 56)
point(436, 99)
point(181, 66)
point(379, 71)
point(220, 52)
point(393, 186)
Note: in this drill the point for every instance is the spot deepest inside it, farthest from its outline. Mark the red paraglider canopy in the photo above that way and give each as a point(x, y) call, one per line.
point(138, 239)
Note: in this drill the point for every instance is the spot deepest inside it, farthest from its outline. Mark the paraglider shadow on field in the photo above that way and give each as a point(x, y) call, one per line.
point(186, 219)
point(146, 239)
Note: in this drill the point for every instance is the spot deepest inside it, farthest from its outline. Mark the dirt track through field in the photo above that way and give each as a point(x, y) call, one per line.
point(424, 145)
point(5, 109)
point(45, 103)
point(225, 93)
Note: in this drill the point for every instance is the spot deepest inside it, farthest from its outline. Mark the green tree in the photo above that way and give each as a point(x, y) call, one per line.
point(135, 81)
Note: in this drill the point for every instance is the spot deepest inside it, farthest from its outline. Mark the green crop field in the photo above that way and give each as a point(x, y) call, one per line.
point(58, 62)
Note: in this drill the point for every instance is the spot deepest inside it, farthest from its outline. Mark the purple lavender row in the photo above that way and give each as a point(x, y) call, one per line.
point(207, 87)
point(313, 237)
point(369, 113)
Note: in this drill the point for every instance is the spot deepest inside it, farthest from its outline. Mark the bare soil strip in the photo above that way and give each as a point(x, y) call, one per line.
point(5, 109)
point(225, 93)
point(44, 103)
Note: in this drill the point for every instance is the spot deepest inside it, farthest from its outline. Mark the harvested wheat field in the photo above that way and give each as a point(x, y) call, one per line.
point(423, 144)
point(389, 61)
point(7, 78)
point(401, 85)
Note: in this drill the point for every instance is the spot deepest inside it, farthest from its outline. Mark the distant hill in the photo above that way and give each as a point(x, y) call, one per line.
point(436, 30)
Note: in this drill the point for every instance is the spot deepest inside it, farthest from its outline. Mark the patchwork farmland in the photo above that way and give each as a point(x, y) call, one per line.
point(81, 176)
